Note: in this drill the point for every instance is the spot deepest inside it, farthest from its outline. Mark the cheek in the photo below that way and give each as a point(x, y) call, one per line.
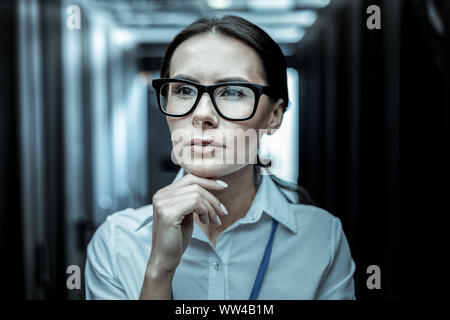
point(261, 116)
point(176, 124)
point(244, 137)
point(172, 122)
point(178, 131)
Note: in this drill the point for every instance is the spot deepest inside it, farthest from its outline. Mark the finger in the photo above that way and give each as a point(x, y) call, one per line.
point(204, 217)
point(206, 183)
point(186, 206)
point(217, 205)
point(213, 218)
point(205, 211)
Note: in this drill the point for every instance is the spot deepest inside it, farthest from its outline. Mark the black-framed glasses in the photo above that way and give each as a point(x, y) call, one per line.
point(235, 101)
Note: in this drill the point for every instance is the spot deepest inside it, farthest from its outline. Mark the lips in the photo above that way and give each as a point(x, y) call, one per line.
point(204, 142)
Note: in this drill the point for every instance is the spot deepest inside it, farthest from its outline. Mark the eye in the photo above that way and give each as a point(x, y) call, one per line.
point(184, 90)
point(233, 92)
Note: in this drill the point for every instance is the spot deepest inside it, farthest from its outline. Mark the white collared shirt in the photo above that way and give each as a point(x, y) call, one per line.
point(310, 255)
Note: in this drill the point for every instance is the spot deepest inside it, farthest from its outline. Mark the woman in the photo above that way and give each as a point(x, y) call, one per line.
point(221, 229)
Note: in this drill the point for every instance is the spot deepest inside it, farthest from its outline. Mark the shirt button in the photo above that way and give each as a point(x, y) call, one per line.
point(217, 265)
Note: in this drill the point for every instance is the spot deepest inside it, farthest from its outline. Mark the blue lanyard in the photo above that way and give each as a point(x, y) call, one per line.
point(262, 266)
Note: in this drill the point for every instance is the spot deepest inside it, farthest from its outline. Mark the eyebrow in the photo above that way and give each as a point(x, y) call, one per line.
point(227, 79)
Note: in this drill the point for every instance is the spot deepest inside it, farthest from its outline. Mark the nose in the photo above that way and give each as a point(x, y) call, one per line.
point(205, 112)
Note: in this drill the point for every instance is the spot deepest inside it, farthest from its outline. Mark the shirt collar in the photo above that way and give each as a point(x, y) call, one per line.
point(269, 199)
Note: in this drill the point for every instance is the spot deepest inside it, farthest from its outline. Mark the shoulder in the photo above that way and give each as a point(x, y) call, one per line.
point(317, 221)
point(115, 254)
point(322, 233)
point(125, 221)
point(313, 213)
point(130, 219)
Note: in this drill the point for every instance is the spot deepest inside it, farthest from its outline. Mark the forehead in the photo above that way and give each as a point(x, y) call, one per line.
point(208, 57)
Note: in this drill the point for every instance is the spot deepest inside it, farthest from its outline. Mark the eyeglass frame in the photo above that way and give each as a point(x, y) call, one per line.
point(257, 89)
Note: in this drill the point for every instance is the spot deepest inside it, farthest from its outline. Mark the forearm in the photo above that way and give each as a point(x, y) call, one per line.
point(157, 284)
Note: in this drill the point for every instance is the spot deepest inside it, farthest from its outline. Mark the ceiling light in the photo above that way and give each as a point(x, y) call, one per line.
point(271, 4)
point(219, 4)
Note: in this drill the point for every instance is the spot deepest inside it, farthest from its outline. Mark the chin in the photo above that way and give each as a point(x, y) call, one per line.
point(207, 169)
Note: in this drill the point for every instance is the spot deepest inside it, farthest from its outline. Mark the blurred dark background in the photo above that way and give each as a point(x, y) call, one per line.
point(81, 138)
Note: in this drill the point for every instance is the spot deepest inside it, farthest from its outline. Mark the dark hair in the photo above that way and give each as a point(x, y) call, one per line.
point(273, 67)
point(272, 58)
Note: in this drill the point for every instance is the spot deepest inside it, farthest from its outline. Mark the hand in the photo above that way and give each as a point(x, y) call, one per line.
point(173, 221)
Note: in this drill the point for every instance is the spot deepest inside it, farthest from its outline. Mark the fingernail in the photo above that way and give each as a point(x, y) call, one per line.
point(218, 221)
point(222, 183)
point(223, 209)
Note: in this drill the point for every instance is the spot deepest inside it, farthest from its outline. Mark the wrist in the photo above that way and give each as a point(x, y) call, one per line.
point(157, 271)
point(157, 283)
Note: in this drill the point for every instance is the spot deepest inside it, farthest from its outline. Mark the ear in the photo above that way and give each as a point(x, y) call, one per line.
point(275, 117)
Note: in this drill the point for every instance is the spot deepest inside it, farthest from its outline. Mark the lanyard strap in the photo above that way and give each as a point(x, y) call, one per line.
point(262, 266)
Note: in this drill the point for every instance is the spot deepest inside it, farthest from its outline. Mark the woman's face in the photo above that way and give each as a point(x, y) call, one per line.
point(206, 59)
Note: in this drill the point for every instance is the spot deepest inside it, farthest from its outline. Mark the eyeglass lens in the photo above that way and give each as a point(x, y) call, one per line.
point(233, 101)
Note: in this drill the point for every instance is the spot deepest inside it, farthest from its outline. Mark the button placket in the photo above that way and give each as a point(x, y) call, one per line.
point(216, 281)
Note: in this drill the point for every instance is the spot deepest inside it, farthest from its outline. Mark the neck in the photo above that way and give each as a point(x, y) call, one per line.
point(237, 198)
